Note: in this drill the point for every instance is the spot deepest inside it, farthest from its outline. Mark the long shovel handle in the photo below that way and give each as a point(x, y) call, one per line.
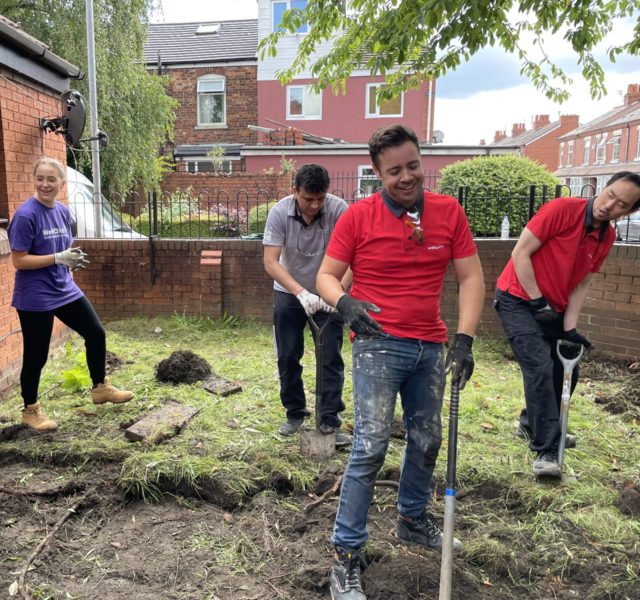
point(569, 365)
point(446, 566)
point(319, 341)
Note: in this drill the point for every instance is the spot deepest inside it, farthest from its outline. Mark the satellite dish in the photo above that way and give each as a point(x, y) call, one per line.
point(438, 136)
point(73, 117)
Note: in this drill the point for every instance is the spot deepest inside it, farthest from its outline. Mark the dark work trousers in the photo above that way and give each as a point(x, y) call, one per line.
point(37, 326)
point(289, 321)
point(542, 371)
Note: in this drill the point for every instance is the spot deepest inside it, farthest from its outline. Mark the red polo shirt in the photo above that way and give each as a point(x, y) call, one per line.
point(570, 250)
point(395, 272)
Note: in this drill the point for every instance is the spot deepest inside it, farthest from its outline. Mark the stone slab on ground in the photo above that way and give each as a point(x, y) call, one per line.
point(221, 386)
point(162, 423)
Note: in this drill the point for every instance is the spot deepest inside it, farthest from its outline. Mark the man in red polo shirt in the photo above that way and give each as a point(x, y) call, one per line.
point(398, 243)
point(540, 295)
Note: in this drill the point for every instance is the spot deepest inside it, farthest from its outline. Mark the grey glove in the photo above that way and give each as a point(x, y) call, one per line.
point(326, 307)
point(310, 302)
point(460, 359)
point(354, 312)
point(74, 258)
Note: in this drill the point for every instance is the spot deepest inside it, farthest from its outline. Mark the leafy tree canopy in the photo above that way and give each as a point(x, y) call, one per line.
point(408, 41)
point(133, 107)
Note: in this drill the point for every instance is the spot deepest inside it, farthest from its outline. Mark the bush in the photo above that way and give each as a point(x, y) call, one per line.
point(257, 217)
point(498, 186)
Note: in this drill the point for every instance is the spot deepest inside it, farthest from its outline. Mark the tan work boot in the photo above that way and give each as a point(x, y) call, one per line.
point(105, 392)
point(33, 416)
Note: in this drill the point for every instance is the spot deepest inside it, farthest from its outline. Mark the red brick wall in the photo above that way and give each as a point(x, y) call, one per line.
point(546, 150)
point(242, 106)
point(22, 142)
point(229, 186)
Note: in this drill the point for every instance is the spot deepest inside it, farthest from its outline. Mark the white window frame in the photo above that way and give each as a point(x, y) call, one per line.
point(616, 137)
point(306, 89)
point(601, 183)
point(199, 162)
point(376, 115)
point(304, 29)
point(570, 153)
point(638, 145)
point(368, 181)
point(601, 149)
point(561, 155)
point(587, 151)
point(212, 77)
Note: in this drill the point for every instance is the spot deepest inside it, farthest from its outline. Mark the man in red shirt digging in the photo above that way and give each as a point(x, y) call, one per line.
point(540, 295)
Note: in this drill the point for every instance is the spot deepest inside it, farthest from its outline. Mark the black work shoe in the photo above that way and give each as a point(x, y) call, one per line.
point(546, 465)
point(345, 576)
point(526, 434)
point(291, 426)
point(423, 530)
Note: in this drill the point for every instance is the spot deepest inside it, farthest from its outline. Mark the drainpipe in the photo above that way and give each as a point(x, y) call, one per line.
point(428, 96)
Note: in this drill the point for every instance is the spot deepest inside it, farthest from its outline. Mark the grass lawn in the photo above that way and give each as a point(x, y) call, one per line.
point(519, 534)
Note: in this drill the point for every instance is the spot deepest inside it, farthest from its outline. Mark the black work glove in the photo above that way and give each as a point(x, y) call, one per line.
point(543, 312)
point(460, 359)
point(354, 313)
point(575, 338)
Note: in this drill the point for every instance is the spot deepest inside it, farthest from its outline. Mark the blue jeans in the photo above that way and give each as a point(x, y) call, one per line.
point(383, 366)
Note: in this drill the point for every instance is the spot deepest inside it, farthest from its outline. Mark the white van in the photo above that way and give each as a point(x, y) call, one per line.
point(82, 202)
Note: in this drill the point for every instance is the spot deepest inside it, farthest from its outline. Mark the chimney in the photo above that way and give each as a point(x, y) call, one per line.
point(569, 121)
point(500, 135)
point(517, 129)
point(633, 94)
point(540, 121)
point(483, 142)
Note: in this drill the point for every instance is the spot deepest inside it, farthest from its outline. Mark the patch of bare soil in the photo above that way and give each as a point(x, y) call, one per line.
point(183, 366)
point(273, 547)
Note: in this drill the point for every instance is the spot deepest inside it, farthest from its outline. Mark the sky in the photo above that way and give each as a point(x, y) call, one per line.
point(483, 96)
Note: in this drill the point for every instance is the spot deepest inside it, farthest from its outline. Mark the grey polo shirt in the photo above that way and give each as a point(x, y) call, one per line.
point(303, 246)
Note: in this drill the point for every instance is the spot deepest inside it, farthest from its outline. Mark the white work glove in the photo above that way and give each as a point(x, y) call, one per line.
point(310, 302)
point(326, 307)
point(74, 258)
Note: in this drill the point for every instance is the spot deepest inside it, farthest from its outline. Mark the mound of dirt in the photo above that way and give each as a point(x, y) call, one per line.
point(629, 499)
point(623, 399)
point(183, 366)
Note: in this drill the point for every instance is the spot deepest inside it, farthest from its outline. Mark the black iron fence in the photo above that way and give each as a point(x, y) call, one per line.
point(220, 215)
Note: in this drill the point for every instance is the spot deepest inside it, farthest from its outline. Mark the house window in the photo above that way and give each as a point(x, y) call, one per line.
point(615, 150)
point(211, 100)
point(382, 108)
point(570, 154)
point(204, 165)
point(280, 6)
point(303, 102)
point(368, 181)
point(561, 157)
point(601, 148)
point(638, 145)
point(587, 151)
point(601, 183)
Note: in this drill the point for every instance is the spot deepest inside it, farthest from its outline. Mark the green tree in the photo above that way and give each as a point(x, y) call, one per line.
point(133, 107)
point(497, 186)
point(427, 39)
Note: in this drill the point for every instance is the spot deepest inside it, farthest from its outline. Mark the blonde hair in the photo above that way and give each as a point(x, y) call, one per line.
point(56, 164)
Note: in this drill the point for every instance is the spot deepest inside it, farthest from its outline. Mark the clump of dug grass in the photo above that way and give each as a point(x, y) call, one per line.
point(183, 366)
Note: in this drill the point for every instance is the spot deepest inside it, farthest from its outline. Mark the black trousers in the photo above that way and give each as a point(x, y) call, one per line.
point(289, 321)
point(542, 371)
point(37, 327)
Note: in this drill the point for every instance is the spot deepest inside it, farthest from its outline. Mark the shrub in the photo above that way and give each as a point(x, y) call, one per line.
point(257, 217)
point(498, 186)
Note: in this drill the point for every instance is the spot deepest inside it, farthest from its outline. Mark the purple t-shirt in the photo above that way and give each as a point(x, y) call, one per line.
point(40, 230)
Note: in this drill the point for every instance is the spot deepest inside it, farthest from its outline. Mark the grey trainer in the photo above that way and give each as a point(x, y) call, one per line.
point(546, 465)
point(345, 577)
point(423, 530)
point(291, 426)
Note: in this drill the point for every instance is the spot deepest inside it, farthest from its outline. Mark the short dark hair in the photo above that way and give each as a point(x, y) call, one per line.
point(313, 178)
point(388, 137)
point(628, 176)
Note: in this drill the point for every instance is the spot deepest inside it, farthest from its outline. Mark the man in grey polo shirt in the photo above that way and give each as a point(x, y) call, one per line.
point(296, 235)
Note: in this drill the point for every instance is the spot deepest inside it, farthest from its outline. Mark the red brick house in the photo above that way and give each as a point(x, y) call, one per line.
point(31, 81)
point(590, 154)
point(212, 69)
point(541, 142)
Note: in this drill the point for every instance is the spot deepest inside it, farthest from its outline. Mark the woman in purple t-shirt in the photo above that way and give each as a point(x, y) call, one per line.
point(40, 238)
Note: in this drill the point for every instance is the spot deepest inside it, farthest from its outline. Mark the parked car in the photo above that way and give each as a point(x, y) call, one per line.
point(628, 229)
point(82, 205)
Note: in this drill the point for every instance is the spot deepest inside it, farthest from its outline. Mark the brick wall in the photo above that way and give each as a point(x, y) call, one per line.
point(546, 150)
point(242, 106)
point(22, 104)
point(254, 185)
